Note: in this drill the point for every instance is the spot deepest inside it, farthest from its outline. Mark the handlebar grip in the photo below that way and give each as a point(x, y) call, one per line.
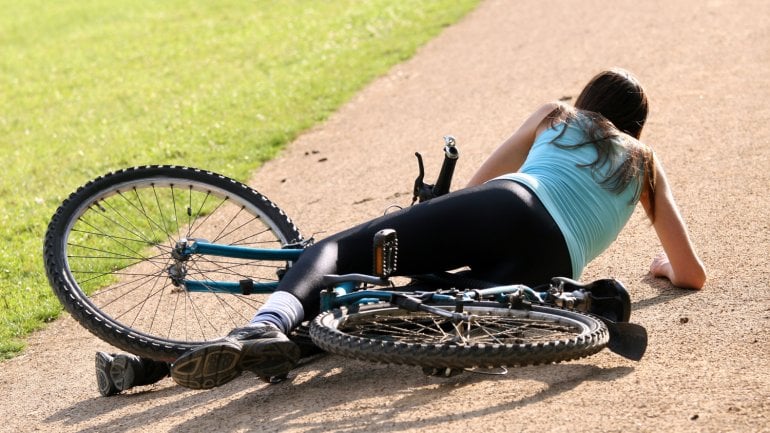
point(444, 181)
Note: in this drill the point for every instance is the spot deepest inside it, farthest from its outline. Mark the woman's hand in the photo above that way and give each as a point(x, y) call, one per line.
point(661, 267)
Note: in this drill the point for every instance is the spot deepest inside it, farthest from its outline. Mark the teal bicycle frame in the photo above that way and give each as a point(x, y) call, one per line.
point(344, 288)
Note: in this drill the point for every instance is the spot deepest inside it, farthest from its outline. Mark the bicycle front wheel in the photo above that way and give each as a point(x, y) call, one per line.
point(108, 256)
point(495, 336)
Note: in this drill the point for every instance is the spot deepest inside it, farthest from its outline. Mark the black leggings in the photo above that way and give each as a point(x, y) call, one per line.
point(500, 230)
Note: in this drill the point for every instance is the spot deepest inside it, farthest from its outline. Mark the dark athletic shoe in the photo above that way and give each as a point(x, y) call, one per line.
point(119, 372)
point(263, 350)
point(106, 386)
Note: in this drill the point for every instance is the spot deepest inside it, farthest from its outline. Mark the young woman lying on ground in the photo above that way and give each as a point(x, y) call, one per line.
point(547, 201)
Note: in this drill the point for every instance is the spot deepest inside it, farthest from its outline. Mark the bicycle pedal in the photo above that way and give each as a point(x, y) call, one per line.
point(274, 379)
point(385, 253)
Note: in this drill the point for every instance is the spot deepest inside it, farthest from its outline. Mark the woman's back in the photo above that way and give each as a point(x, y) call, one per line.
point(589, 213)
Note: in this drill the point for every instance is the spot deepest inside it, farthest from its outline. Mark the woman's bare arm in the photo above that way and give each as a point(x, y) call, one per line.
point(510, 155)
point(679, 262)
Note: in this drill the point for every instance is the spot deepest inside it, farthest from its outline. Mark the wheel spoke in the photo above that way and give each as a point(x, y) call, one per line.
point(421, 327)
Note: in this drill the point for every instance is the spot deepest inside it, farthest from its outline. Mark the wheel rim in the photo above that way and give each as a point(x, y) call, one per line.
point(118, 253)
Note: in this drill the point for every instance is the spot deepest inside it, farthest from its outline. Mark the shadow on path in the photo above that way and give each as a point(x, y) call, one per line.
point(326, 397)
point(415, 401)
point(666, 292)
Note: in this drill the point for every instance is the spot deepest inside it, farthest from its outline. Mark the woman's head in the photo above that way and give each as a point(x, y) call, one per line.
point(618, 96)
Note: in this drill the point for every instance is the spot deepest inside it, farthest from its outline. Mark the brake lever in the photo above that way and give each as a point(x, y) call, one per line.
point(421, 191)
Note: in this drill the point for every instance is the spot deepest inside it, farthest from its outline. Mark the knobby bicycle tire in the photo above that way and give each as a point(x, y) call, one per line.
point(107, 255)
point(500, 337)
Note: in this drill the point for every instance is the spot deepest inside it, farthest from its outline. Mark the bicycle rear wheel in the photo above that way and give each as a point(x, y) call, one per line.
point(108, 256)
point(497, 336)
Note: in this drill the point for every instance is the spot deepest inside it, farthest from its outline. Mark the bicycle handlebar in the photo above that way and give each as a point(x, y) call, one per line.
point(424, 192)
point(451, 154)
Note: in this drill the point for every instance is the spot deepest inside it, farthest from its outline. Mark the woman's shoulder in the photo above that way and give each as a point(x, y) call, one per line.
point(557, 110)
point(551, 114)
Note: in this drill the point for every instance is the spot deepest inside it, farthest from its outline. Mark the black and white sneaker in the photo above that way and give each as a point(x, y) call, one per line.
point(119, 372)
point(264, 350)
point(103, 364)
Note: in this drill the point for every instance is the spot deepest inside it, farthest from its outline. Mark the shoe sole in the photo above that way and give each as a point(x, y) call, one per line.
point(103, 363)
point(269, 357)
point(208, 366)
point(216, 364)
point(122, 373)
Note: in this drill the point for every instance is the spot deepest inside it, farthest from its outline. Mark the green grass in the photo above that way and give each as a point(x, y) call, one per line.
point(94, 85)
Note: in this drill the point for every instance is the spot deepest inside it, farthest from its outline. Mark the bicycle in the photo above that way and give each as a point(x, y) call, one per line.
point(157, 260)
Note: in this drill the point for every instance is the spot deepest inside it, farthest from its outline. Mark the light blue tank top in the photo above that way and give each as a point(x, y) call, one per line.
point(589, 215)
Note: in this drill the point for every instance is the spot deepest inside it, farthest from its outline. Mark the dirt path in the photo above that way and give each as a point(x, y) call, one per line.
point(705, 65)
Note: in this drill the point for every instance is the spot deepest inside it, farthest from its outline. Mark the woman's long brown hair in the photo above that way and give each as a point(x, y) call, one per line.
point(612, 109)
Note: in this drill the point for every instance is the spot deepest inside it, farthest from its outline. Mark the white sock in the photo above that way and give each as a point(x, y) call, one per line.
point(283, 310)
